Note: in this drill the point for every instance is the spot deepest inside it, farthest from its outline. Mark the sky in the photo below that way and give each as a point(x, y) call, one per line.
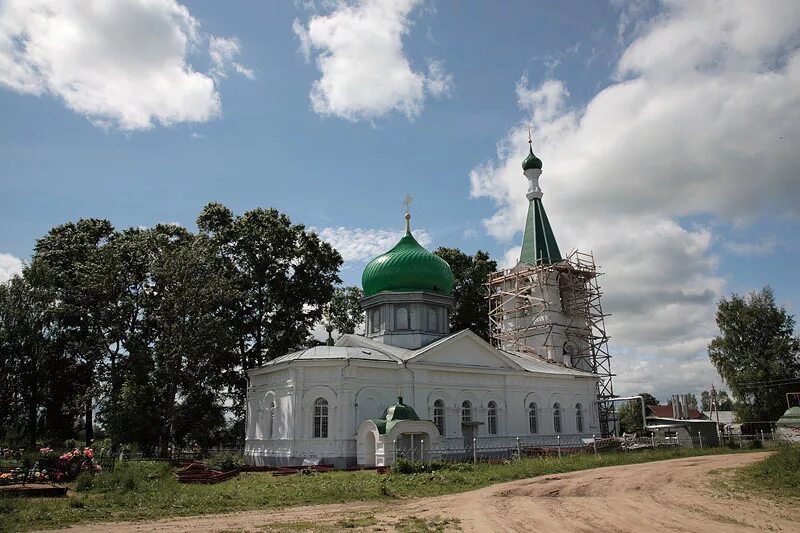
point(668, 131)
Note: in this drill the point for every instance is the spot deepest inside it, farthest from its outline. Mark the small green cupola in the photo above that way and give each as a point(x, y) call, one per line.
point(394, 414)
point(407, 267)
point(531, 162)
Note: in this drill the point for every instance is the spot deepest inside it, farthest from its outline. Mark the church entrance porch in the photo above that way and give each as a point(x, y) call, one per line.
point(416, 440)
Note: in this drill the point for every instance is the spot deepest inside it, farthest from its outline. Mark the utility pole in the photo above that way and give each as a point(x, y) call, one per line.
point(715, 407)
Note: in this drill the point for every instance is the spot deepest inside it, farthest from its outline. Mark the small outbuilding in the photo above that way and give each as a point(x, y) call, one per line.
point(787, 428)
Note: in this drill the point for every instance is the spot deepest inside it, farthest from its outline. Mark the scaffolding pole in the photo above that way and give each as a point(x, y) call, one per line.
point(554, 310)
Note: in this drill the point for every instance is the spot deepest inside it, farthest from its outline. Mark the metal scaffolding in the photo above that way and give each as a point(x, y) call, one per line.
point(554, 311)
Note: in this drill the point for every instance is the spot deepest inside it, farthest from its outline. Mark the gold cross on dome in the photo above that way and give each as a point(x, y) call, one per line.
point(530, 135)
point(407, 203)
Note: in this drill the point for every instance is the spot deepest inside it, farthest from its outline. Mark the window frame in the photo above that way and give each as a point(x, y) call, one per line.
point(557, 428)
point(438, 416)
point(320, 418)
point(397, 311)
point(579, 417)
point(533, 418)
point(466, 411)
point(491, 418)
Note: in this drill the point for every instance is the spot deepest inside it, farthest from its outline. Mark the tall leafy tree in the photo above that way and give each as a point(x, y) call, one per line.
point(193, 350)
point(470, 274)
point(283, 276)
point(757, 354)
point(70, 255)
point(346, 313)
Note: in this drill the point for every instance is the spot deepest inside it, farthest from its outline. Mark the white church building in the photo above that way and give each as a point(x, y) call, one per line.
point(410, 385)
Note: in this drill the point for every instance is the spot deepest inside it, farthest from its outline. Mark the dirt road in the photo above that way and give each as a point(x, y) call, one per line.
point(663, 496)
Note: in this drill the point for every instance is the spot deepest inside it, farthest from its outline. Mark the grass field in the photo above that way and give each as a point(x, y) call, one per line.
point(147, 490)
point(778, 475)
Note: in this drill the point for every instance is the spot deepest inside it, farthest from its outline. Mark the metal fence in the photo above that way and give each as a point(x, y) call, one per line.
point(494, 450)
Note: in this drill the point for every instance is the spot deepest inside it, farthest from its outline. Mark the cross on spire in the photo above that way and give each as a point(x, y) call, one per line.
point(407, 202)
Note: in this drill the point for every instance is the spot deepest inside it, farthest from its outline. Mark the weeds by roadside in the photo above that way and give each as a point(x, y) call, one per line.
point(143, 490)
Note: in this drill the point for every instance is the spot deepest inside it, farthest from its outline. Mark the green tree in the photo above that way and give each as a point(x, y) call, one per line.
point(756, 354)
point(283, 277)
point(630, 413)
point(69, 258)
point(724, 403)
point(345, 310)
point(470, 292)
point(193, 352)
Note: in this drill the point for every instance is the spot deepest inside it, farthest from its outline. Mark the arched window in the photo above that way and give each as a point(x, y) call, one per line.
point(466, 411)
point(401, 318)
point(438, 416)
point(433, 319)
point(533, 423)
point(270, 419)
point(579, 418)
point(376, 321)
point(491, 418)
point(320, 418)
point(556, 417)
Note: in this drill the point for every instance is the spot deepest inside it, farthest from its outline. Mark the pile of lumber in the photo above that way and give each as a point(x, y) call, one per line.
point(200, 473)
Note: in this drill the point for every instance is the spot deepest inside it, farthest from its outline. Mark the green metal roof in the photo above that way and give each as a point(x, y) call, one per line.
point(531, 161)
point(394, 414)
point(790, 418)
point(407, 267)
point(538, 242)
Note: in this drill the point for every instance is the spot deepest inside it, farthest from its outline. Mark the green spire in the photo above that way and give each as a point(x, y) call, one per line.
point(538, 243)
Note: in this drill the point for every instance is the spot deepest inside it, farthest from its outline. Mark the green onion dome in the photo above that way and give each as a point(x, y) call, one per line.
point(399, 411)
point(531, 161)
point(407, 267)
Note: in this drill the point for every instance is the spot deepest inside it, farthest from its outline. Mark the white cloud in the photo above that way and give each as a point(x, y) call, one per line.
point(693, 126)
point(120, 63)
point(9, 266)
point(365, 73)
point(223, 51)
point(764, 247)
point(360, 244)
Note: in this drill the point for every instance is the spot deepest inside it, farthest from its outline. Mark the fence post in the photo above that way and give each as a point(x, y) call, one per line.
point(691, 439)
point(475, 450)
point(762, 436)
point(421, 450)
point(652, 440)
point(677, 439)
point(594, 443)
point(559, 445)
point(395, 452)
point(519, 450)
point(700, 438)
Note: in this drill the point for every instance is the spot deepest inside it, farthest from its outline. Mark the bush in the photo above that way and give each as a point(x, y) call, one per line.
point(84, 482)
point(404, 466)
point(226, 461)
point(131, 476)
point(756, 444)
